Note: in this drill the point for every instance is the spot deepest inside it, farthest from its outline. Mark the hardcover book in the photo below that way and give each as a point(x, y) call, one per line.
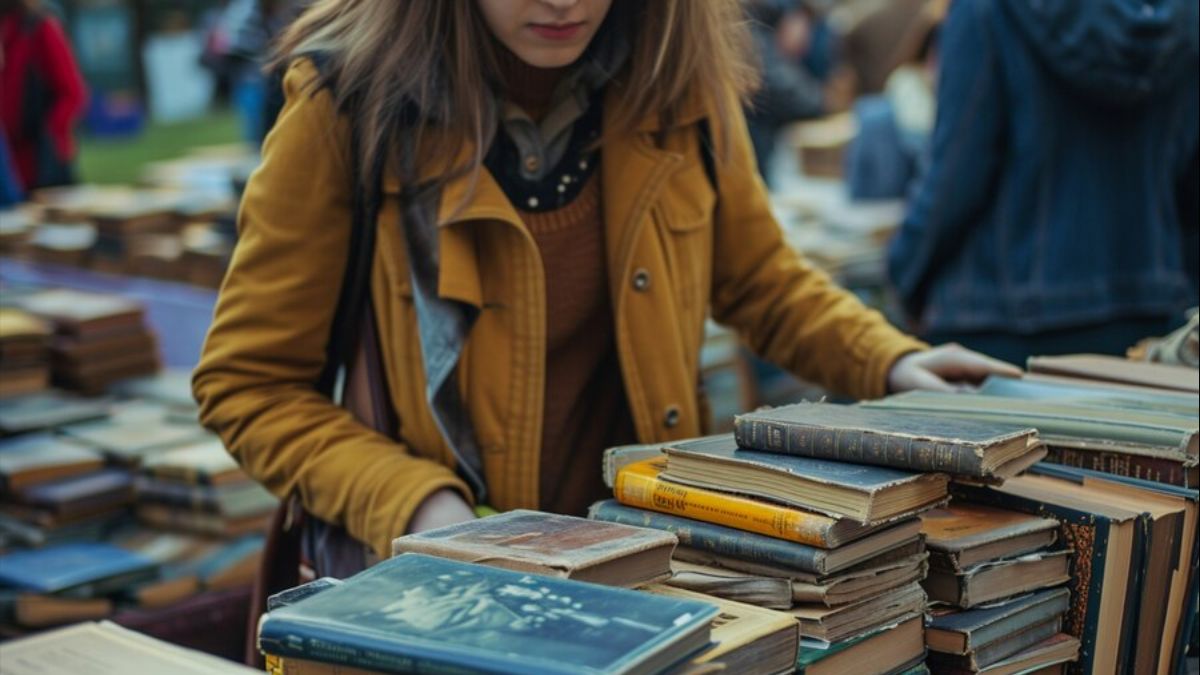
point(80, 495)
point(553, 545)
point(81, 313)
point(832, 624)
point(1068, 425)
point(1117, 369)
point(129, 440)
point(998, 579)
point(416, 612)
point(749, 640)
point(230, 500)
point(83, 569)
point(985, 657)
point(1085, 392)
point(38, 458)
point(756, 548)
point(640, 485)
point(962, 534)
point(965, 631)
point(1040, 658)
point(869, 494)
point(984, 450)
point(199, 462)
point(881, 651)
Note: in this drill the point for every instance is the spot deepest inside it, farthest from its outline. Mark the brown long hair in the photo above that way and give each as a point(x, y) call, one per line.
point(399, 66)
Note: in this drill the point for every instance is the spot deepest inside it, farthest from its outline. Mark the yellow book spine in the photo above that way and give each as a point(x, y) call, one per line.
point(639, 485)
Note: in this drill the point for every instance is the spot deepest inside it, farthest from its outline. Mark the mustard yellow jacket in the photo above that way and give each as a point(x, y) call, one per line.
point(677, 250)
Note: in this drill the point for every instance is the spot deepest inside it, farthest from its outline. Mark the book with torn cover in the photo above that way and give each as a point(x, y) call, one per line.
point(844, 433)
point(833, 624)
point(998, 579)
point(965, 631)
point(552, 544)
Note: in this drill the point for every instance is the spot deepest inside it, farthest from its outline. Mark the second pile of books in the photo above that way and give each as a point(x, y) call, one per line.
point(996, 582)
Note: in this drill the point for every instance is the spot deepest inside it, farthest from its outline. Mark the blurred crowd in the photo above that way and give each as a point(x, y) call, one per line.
point(1048, 151)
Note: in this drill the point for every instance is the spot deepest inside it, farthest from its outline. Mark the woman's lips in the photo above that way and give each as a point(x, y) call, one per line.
point(548, 31)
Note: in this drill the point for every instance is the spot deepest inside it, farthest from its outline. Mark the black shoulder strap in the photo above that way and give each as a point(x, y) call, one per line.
point(706, 154)
point(356, 278)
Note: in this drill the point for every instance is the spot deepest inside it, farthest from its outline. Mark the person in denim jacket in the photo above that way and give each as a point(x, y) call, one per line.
point(1054, 214)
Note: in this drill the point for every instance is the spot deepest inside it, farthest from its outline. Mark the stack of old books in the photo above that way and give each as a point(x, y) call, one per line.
point(99, 339)
point(57, 490)
point(995, 585)
point(24, 353)
point(198, 487)
point(813, 508)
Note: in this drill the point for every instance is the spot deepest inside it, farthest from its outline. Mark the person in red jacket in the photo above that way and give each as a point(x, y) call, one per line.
point(43, 94)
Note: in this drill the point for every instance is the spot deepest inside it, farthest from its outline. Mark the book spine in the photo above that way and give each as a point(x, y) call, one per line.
point(858, 446)
point(1157, 469)
point(717, 539)
point(639, 490)
point(291, 639)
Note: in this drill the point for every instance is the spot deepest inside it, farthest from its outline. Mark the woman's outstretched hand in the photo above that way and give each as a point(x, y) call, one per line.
point(945, 368)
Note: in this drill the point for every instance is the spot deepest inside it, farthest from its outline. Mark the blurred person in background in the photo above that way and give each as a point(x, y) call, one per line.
point(43, 94)
point(891, 147)
point(1055, 210)
point(788, 92)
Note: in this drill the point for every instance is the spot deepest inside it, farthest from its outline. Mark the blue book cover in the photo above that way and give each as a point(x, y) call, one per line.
point(103, 488)
point(64, 567)
point(417, 613)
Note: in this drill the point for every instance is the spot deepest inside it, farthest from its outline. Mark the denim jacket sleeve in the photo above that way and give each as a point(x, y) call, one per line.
point(965, 155)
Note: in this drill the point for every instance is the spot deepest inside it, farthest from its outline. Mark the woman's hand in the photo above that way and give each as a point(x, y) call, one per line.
point(442, 508)
point(941, 368)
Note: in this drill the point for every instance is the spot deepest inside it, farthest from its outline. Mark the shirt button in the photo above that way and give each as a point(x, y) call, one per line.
point(532, 163)
point(641, 279)
point(671, 417)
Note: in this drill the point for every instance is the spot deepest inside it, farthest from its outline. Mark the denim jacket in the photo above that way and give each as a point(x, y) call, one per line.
point(1062, 166)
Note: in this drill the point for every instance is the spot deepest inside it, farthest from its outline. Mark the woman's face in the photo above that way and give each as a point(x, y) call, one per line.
point(545, 33)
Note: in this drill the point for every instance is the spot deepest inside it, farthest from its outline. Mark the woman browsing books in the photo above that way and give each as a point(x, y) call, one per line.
point(554, 196)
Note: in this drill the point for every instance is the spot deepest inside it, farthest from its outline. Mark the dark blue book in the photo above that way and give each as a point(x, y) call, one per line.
point(757, 549)
point(77, 569)
point(960, 632)
point(417, 613)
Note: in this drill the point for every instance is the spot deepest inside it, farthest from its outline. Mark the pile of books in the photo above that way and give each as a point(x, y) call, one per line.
point(99, 339)
point(24, 353)
point(813, 509)
point(993, 573)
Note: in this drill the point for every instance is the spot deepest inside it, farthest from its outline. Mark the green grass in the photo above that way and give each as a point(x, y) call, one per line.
point(120, 160)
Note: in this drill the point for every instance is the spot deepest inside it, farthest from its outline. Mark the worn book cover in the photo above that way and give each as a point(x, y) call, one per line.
point(982, 658)
point(1116, 369)
point(985, 450)
point(1145, 432)
point(71, 567)
point(963, 631)
point(756, 548)
point(640, 485)
point(552, 544)
point(420, 613)
point(832, 624)
point(37, 458)
point(750, 640)
point(963, 534)
point(869, 494)
point(998, 579)
point(82, 313)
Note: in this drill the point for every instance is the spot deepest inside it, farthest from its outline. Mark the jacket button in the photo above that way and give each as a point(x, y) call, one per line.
point(671, 418)
point(532, 163)
point(641, 279)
